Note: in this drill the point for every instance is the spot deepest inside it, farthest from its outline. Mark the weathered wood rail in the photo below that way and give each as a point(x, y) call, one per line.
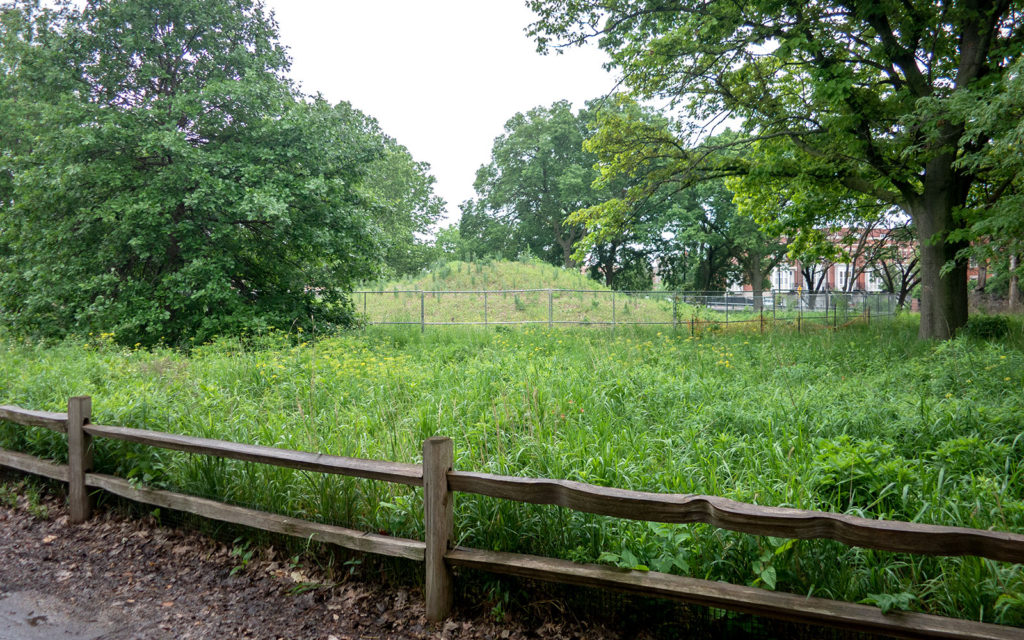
point(437, 551)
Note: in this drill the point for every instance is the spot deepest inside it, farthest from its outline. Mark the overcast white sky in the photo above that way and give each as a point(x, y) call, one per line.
point(441, 77)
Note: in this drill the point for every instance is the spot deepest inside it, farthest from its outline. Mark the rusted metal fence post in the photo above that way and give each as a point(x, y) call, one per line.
point(79, 457)
point(438, 521)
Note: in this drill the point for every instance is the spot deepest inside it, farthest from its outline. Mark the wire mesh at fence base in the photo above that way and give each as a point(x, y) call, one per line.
point(643, 616)
point(681, 309)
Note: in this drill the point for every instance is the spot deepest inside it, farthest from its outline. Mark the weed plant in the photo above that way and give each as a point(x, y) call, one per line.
point(868, 421)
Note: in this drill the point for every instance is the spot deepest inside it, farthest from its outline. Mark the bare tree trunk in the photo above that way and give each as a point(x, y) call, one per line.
point(982, 276)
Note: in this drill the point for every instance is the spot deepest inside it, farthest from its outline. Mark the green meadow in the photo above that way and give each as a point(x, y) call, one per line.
point(532, 292)
point(867, 421)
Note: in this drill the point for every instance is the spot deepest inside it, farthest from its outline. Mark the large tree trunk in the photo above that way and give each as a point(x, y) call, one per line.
point(757, 287)
point(609, 265)
point(567, 260)
point(756, 276)
point(943, 295)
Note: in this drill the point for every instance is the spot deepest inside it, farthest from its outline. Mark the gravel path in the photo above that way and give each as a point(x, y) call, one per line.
point(115, 578)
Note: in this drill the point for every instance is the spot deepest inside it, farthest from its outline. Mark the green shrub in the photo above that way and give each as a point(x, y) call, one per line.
point(987, 327)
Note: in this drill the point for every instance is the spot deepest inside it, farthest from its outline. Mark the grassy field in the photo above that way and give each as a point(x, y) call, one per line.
point(457, 295)
point(866, 420)
point(533, 292)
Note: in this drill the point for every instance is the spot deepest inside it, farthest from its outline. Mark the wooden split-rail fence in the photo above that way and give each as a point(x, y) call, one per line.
point(439, 555)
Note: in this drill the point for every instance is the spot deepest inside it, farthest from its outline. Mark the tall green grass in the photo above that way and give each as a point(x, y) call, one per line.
point(866, 420)
point(533, 292)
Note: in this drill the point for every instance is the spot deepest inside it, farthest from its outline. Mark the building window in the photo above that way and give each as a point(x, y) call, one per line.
point(783, 280)
point(872, 281)
point(842, 275)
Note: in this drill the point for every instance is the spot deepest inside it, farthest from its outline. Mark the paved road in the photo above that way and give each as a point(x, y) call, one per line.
point(31, 615)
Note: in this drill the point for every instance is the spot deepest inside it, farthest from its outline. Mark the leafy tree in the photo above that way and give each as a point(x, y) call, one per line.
point(166, 181)
point(995, 215)
point(399, 194)
point(698, 236)
point(538, 175)
point(887, 99)
point(448, 244)
point(897, 266)
point(482, 234)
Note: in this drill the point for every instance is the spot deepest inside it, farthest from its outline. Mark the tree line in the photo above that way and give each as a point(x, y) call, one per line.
point(162, 179)
point(847, 108)
point(543, 193)
point(848, 117)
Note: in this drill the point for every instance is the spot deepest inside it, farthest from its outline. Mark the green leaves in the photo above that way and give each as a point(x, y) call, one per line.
point(625, 559)
point(538, 175)
point(882, 105)
point(890, 601)
point(172, 184)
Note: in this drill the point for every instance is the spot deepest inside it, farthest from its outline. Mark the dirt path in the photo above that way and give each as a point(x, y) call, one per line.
point(118, 579)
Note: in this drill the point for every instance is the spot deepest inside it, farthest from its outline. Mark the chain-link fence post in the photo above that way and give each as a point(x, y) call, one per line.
point(614, 321)
point(551, 307)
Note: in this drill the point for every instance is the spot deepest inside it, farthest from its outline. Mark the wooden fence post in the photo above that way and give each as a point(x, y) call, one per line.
point(551, 303)
point(485, 307)
point(79, 457)
point(423, 324)
point(438, 522)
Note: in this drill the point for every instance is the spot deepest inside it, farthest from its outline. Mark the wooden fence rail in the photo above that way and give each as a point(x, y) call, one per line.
point(437, 551)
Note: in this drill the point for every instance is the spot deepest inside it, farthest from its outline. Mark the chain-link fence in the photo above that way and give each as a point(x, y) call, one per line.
point(695, 311)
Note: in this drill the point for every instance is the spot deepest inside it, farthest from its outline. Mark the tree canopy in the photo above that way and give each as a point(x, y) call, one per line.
point(398, 193)
point(161, 179)
point(538, 175)
point(888, 100)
